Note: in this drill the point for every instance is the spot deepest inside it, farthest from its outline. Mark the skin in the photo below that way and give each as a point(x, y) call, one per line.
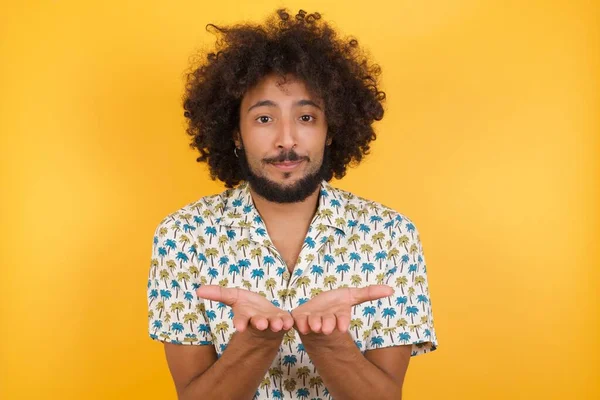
point(276, 117)
point(291, 119)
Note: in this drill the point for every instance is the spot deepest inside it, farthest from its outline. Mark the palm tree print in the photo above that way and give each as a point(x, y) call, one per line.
point(356, 324)
point(377, 341)
point(303, 393)
point(340, 269)
point(301, 350)
point(366, 268)
point(275, 373)
point(288, 338)
point(388, 313)
point(289, 360)
point(303, 373)
point(390, 332)
point(317, 271)
point(330, 280)
point(411, 311)
point(270, 284)
point(258, 274)
point(356, 280)
point(368, 312)
point(351, 242)
point(316, 382)
point(189, 318)
point(222, 328)
point(268, 261)
point(265, 384)
point(289, 385)
point(377, 325)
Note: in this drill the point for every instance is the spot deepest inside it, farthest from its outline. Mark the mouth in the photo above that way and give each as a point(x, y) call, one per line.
point(287, 165)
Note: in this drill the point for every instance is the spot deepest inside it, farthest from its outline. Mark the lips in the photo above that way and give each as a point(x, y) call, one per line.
point(287, 165)
point(288, 162)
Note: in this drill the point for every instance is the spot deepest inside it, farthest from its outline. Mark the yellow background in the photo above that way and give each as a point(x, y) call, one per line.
point(490, 144)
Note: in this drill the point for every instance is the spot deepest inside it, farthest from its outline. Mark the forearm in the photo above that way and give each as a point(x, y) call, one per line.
point(346, 373)
point(238, 372)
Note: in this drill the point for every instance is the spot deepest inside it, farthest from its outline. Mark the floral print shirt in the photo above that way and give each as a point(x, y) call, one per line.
point(221, 239)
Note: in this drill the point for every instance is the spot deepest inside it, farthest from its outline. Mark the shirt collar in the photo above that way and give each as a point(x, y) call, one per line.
point(238, 210)
point(331, 210)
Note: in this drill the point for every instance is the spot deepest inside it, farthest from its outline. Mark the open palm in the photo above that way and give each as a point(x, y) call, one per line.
point(331, 309)
point(249, 309)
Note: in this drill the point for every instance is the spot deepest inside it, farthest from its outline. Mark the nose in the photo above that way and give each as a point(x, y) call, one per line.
point(286, 138)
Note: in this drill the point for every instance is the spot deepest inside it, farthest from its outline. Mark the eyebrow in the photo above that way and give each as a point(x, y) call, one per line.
point(269, 103)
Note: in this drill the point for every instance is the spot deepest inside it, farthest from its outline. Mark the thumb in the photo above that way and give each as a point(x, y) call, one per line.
point(225, 295)
point(368, 293)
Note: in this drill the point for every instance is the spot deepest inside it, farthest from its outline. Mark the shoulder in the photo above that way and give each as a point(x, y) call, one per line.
point(193, 214)
point(368, 210)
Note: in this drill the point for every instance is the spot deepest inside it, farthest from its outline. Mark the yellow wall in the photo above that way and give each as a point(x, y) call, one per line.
point(490, 144)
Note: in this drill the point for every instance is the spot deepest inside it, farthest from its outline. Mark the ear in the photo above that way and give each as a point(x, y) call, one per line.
point(329, 140)
point(236, 139)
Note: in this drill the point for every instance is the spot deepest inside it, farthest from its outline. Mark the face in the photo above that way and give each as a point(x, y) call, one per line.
point(283, 137)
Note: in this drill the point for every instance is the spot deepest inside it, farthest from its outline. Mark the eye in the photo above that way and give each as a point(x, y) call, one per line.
point(263, 119)
point(306, 118)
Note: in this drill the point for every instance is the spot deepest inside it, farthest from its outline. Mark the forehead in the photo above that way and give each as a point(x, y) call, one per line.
point(275, 87)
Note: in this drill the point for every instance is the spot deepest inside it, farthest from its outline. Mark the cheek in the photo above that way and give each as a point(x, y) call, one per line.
point(254, 146)
point(318, 148)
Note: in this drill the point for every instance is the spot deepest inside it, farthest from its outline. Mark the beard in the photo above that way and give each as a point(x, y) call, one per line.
point(277, 193)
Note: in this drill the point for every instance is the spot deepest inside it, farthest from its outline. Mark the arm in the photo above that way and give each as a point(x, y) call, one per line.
point(347, 374)
point(196, 371)
point(260, 327)
point(198, 374)
point(330, 354)
point(322, 324)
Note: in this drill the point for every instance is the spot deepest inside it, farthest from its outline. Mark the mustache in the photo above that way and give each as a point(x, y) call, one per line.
point(286, 156)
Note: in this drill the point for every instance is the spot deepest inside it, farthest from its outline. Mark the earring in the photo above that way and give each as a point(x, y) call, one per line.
point(235, 152)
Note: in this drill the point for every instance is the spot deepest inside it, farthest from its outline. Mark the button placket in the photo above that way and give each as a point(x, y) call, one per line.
point(303, 263)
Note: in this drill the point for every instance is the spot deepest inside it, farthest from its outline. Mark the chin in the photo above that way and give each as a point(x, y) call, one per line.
point(287, 178)
point(285, 186)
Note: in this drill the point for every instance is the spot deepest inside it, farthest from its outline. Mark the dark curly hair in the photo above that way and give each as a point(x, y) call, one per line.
point(335, 70)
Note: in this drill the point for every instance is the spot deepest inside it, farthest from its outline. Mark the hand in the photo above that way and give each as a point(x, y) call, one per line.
point(331, 309)
point(249, 309)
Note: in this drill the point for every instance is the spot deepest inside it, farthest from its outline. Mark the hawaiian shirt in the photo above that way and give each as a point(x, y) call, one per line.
point(351, 242)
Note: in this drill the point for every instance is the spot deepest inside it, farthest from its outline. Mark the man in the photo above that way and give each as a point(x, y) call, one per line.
point(283, 286)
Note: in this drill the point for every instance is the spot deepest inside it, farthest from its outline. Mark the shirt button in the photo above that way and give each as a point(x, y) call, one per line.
point(286, 275)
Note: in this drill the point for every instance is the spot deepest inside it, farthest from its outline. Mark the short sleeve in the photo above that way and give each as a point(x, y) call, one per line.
point(406, 317)
point(175, 313)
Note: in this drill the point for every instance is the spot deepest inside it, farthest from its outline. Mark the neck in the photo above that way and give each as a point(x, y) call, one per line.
point(278, 214)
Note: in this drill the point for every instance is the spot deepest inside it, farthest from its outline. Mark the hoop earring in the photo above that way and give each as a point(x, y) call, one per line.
point(235, 152)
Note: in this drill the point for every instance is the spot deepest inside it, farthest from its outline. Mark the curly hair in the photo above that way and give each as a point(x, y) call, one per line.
point(336, 70)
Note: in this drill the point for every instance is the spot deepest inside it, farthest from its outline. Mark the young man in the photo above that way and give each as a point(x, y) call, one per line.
point(283, 286)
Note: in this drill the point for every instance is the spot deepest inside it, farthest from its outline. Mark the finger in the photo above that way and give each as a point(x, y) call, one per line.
point(259, 322)
point(240, 322)
point(368, 293)
point(288, 321)
point(315, 323)
point(343, 322)
point(301, 322)
point(275, 323)
point(329, 324)
point(226, 296)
